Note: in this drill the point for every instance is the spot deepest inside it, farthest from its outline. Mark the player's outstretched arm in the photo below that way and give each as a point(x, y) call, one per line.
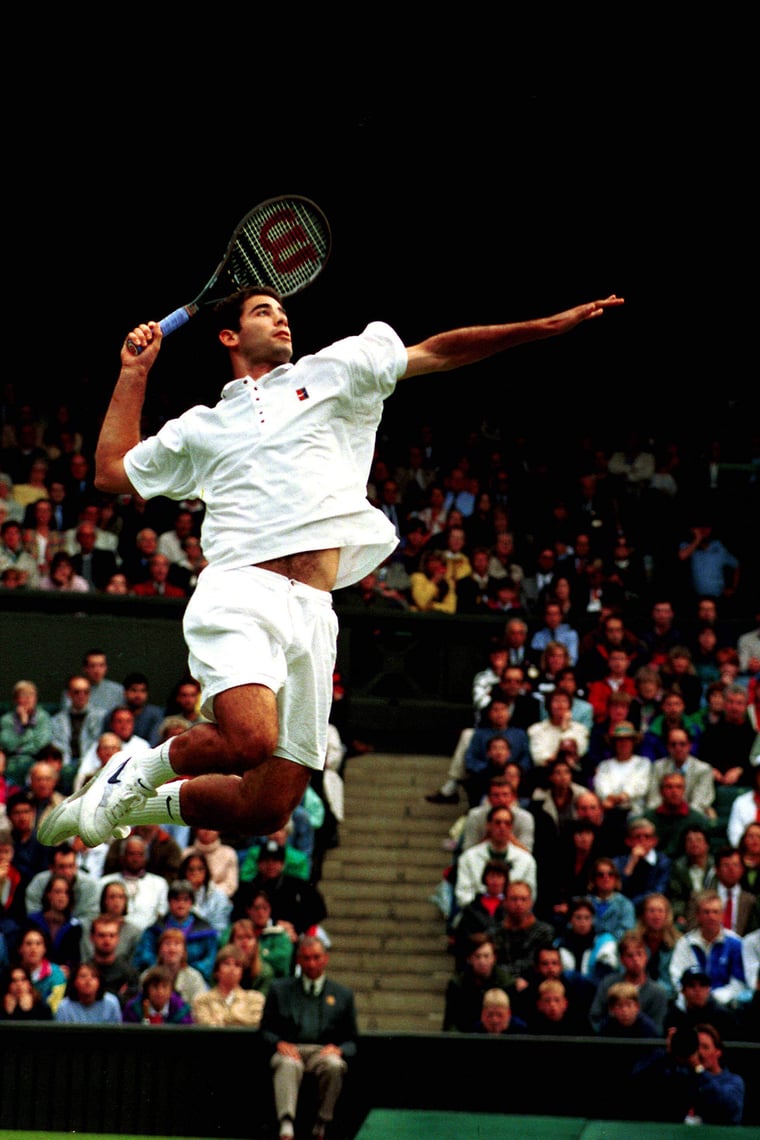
point(121, 426)
point(453, 349)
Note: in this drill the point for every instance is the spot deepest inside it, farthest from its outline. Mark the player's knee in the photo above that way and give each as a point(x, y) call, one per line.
point(284, 783)
point(253, 749)
point(275, 815)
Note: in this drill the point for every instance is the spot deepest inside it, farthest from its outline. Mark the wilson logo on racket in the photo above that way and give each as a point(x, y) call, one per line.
point(291, 248)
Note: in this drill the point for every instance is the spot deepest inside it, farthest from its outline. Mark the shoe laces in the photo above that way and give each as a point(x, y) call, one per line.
point(132, 795)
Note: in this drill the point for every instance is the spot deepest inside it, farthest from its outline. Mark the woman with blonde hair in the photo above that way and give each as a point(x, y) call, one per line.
point(657, 927)
point(227, 1003)
point(554, 658)
point(257, 974)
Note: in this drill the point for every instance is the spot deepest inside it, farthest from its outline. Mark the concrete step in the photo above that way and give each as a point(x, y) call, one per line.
point(407, 764)
point(367, 825)
point(393, 910)
point(422, 952)
point(386, 962)
point(375, 933)
point(396, 983)
point(380, 1002)
point(389, 940)
point(373, 818)
point(369, 885)
point(379, 860)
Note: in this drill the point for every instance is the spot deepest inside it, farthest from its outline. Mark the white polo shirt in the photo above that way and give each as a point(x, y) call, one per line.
point(282, 462)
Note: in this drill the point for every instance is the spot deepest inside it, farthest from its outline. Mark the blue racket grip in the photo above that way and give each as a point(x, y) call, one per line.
point(174, 321)
point(168, 325)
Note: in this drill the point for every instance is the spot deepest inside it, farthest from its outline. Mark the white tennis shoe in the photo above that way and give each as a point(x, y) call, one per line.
point(96, 811)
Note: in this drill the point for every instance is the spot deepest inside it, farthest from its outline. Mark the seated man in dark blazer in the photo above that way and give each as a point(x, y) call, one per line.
point(309, 1023)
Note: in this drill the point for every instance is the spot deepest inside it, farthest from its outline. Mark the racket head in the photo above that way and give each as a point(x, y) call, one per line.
point(284, 242)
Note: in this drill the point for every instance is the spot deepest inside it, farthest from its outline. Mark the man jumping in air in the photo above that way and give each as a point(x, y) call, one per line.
point(281, 463)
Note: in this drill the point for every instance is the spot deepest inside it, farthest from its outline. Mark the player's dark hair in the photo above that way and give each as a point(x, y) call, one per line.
point(228, 311)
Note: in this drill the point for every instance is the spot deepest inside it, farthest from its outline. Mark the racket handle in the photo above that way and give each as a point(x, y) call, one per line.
point(168, 325)
point(177, 319)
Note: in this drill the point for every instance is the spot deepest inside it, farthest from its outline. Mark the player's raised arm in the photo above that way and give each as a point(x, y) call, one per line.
point(446, 351)
point(121, 426)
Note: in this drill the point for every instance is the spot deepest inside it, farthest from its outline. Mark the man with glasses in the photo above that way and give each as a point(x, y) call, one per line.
point(76, 728)
point(698, 775)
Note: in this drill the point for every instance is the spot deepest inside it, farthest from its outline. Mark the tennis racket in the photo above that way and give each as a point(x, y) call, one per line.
point(284, 242)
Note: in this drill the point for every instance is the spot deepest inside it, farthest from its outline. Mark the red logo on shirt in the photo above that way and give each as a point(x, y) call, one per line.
point(302, 394)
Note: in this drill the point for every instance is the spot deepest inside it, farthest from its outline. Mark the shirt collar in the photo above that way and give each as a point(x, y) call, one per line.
point(315, 986)
point(235, 387)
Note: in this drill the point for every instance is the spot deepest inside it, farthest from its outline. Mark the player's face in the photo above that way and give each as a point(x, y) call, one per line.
point(264, 334)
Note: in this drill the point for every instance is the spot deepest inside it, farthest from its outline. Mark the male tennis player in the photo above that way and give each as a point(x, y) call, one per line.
point(281, 463)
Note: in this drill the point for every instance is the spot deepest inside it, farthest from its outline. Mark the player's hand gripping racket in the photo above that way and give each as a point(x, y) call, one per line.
point(284, 242)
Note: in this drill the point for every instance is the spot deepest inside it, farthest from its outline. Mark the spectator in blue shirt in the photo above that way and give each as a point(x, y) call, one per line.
point(555, 629)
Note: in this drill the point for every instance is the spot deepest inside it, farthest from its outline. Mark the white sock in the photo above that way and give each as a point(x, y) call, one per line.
point(161, 808)
point(448, 788)
point(154, 766)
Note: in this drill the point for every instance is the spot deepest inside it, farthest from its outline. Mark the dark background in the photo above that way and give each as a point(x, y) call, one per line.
point(457, 192)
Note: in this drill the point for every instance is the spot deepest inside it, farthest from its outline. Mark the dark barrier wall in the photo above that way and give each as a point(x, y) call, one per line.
point(177, 1081)
point(409, 675)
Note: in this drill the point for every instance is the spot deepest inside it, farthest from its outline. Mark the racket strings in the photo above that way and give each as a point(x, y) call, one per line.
point(283, 244)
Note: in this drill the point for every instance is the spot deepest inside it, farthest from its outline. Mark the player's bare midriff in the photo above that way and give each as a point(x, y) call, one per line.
point(317, 568)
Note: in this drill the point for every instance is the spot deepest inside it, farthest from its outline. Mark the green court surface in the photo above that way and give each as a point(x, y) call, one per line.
point(396, 1124)
point(387, 1124)
point(46, 1135)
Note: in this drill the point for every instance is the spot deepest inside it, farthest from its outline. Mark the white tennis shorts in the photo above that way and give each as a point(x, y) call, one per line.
point(252, 626)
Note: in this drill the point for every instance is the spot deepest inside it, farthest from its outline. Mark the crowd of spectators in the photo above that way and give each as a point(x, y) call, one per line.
point(615, 882)
point(619, 707)
point(166, 902)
